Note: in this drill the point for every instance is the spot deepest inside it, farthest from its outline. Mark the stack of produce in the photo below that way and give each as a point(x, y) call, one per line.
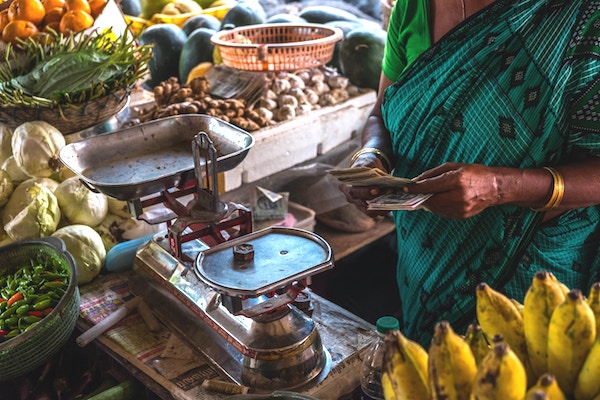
point(546, 348)
point(39, 197)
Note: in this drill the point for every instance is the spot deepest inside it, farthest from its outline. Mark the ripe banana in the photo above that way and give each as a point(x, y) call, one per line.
point(477, 342)
point(571, 335)
point(405, 371)
point(565, 289)
point(520, 307)
point(537, 395)
point(498, 315)
point(546, 383)
point(543, 296)
point(587, 385)
point(594, 302)
point(452, 366)
point(501, 375)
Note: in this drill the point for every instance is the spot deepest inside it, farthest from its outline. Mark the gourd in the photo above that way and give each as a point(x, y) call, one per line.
point(361, 53)
point(35, 148)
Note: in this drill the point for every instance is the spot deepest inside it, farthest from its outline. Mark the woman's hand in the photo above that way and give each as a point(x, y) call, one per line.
point(459, 190)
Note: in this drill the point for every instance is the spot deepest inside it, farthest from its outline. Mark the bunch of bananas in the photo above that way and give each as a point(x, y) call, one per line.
point(547, 348)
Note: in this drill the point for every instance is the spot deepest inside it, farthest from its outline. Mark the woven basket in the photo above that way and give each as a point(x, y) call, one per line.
point(33, 348)
point(277, 47)
point(68, 118)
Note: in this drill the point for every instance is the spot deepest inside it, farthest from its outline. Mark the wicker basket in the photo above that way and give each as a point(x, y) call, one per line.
point(277, 47)
point(69, 118)
point(33, 348)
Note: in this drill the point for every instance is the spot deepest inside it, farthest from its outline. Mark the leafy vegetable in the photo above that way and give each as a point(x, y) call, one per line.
point(69, 69)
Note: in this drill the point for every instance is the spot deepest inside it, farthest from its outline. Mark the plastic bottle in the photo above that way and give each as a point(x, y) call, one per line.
point(370, 380)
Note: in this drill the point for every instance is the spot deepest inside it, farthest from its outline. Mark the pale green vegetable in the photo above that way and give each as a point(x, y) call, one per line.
point(21, 197)
point(79, 204)
point(39, 218)
point(118, 207)
point(117, 229)
point(35, 147)
point(6, 187)
point(87, 249)
point(5, 142)
point(14, 171)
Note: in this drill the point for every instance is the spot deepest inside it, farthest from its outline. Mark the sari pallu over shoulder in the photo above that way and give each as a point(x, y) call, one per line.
point(505, 88)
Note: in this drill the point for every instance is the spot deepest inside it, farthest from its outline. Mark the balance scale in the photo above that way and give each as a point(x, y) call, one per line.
point(236, 296)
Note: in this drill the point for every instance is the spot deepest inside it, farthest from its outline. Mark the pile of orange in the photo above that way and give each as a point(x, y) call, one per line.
point(24, 18)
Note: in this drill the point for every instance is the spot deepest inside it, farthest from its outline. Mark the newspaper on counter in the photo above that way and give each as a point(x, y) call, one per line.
point(164, 358)
point(365, 176)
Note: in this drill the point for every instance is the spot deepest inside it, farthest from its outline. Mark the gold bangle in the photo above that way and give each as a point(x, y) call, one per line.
point(558, 190)
point(378, 153)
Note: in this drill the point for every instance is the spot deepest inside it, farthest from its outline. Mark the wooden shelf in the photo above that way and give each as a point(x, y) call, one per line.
point(345, 243)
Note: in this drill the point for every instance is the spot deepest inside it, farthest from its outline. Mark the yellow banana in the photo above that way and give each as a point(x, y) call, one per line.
point(546, 383)
point(543, 296)
point(571, 335)
point(587, 385)
point(520, 307)
point(405, 371)
point(452, 366)
point(594, 302)
point(477, 342)
point(537, 394)
point(501, 375)
point(498, 315)
point(565, 289)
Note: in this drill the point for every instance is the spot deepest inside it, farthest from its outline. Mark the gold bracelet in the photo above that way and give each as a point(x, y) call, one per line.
point(558, 190)
point(378, 153)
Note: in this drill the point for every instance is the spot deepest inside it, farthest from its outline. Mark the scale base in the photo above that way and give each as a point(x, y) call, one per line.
point(190, 309)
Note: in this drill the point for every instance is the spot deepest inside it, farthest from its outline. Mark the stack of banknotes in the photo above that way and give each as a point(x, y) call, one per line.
point(365, 176)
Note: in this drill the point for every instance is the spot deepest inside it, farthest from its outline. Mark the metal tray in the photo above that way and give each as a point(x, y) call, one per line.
point(152, 157)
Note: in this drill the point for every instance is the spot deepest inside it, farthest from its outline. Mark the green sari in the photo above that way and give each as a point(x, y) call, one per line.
point(515, 85)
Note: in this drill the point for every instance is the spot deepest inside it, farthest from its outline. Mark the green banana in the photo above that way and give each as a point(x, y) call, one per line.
point(543, 296)
point(501, 375)
point(477, 341)
point(498, 315)
point(452, 366)
point(594, 302)
point(571, 335)
point(546, 383)
point(405, 370)
point(587, 385)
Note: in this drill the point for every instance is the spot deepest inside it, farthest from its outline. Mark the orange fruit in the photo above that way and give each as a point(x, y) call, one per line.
point(83, 5)
point(27, 10)
point(53, 15)
point(18, 29)
point(3, 20)
point(75, 21)
point(52, 27)
point(97, 6)
point(50, 4)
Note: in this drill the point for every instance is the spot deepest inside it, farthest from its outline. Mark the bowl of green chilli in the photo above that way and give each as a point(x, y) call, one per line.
point(39, 303)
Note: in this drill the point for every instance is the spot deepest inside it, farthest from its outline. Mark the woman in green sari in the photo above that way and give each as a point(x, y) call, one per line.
point(494, 108)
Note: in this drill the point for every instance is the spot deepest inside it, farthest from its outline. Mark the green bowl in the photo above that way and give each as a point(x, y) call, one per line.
point(33, 348)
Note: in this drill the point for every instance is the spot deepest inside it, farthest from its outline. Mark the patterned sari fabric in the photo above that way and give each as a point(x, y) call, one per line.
point(516, 85)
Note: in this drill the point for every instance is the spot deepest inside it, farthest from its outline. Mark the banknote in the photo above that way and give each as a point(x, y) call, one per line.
point(365, 176)
point(398, 201)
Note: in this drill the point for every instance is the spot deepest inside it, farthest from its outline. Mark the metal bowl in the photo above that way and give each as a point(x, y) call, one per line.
point(33, 348)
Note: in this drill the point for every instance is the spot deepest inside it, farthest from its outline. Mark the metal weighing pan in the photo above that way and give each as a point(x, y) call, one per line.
point(154, 156)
